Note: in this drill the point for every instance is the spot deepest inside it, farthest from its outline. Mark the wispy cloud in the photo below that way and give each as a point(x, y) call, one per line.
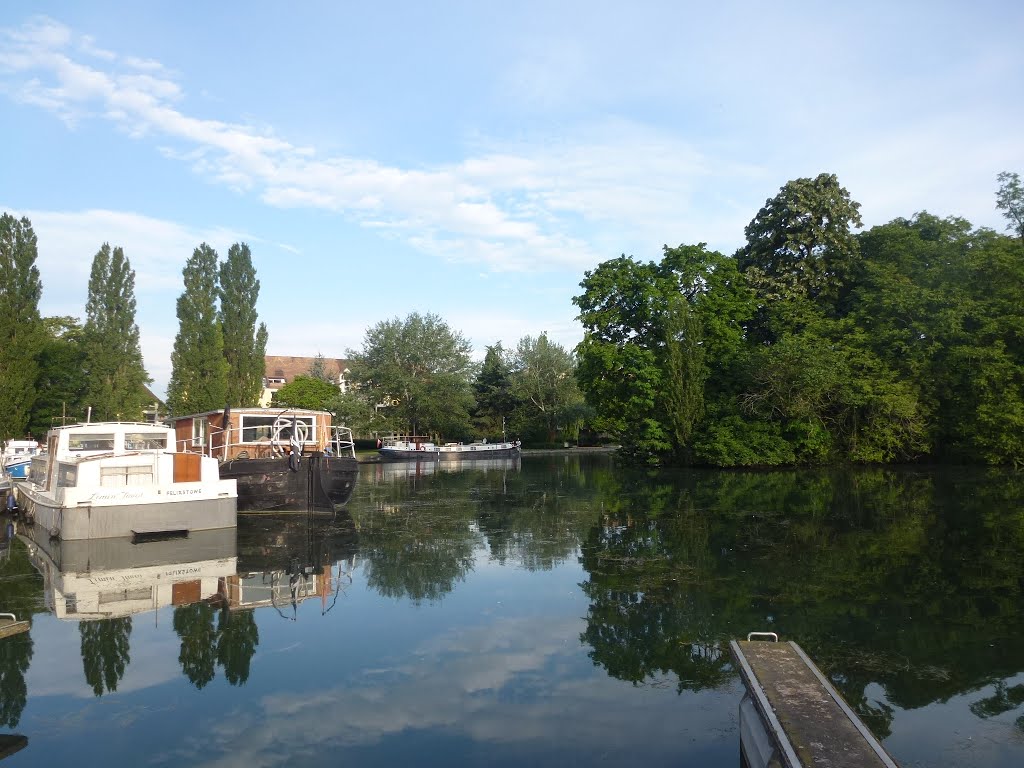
point(525, 208)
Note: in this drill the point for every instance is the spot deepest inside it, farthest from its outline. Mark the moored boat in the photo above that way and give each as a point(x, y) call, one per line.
point(17, 456)
point(412, 448)
point(281, 458)
point(111, 479)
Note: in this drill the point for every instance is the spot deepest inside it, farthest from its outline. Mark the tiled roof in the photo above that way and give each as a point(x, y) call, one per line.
point(287, 368)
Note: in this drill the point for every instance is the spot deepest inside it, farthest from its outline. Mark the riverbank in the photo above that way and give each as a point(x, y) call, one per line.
point(372, 457)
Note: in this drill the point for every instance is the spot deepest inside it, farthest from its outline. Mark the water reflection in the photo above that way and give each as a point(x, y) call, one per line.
point(549, 611)
point(389, 471)
point(284, 560)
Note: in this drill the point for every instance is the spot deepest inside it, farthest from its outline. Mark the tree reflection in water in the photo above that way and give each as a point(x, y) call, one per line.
point(105, 652)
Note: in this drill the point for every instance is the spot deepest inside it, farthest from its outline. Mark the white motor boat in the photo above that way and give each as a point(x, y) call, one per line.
point(110, 479)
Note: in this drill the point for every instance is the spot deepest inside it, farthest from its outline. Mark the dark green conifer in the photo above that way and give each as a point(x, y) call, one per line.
point(199, 372)
point(245, 345)
point(113, 357)
point(21, 333)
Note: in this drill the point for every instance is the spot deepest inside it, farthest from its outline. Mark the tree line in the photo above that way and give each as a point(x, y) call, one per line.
point(59, 369)
point(416, 375)
point(812, 344)
point(54, 368)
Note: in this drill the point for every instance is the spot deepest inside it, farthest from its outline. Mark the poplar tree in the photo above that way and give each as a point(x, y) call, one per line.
point(21, 331)
point(113, 357)
point(245, 345)
point(199, 372)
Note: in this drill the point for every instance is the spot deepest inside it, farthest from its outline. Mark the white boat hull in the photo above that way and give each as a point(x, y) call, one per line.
point(127, 517)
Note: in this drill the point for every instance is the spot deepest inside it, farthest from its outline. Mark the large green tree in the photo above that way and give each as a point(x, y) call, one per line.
point(62, 381)
point(105, 652)
point(543, 382)
point(199, 371)
point(113, 357)
point(801, 254)
point(419, 370)
point(495, 402)
point(1010, 200)
point(657, 338)
point(21, 330)
point(245, 344)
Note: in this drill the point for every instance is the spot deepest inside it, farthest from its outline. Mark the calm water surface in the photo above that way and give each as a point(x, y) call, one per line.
point(557, 611)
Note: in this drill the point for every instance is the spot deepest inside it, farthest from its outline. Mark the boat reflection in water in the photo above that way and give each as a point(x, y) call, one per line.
point(286, 559)
point(90, 579)
point(384, 472)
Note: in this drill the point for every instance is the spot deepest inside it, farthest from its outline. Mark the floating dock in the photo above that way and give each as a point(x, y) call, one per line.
point(792, 717)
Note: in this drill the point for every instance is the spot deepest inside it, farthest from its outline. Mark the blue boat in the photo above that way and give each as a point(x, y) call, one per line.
point(17, 456)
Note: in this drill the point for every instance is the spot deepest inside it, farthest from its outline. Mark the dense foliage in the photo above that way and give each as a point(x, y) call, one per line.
point(245, 344)
point(116, 377)
point(199, 370)
point(813, 344)
point(21, 330)
point(419, 371)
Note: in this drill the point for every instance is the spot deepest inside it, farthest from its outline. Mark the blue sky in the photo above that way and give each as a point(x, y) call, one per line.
point(473, 159)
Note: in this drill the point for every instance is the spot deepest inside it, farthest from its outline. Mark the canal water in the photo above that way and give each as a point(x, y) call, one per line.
point(556, 610)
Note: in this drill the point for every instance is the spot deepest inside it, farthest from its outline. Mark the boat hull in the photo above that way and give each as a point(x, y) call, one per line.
point(94, 521)
point(450, 453)
point(323, 483)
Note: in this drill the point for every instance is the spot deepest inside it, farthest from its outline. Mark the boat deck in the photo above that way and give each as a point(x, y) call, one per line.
point(805, 717)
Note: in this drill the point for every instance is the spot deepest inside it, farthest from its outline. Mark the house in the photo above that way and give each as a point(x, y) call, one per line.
point(280, 370)
point(154, 410)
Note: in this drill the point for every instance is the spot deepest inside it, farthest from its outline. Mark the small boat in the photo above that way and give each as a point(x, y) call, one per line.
point(110, 479)
point(412, 448)
point(281, 458)
point(16, 457)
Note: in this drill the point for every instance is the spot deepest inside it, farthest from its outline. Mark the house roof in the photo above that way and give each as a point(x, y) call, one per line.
point(287, 368)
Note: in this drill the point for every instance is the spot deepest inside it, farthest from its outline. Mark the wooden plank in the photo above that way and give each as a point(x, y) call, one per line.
point(812, 723)
point(10, 627)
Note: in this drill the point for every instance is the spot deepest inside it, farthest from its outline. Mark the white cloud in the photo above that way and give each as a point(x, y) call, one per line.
point(520, 208)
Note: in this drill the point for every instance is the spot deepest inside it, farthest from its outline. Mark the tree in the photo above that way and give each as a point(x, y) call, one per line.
point(543, 382)
point(105, 652)
point(318, 370)
point(800, 247)
point(198, 655)
point(245, 345)
point(21, 332)
point(62, 381)
point(420, 370)
point(353, 410)
point(237, 638)
point(199, 371)
point(495, 402)
point(113, 357)
point(1010, 200)
point(657, 336)
point(307, 392)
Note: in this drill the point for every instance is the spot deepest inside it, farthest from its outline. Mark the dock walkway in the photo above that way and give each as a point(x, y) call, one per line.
point(805, 720)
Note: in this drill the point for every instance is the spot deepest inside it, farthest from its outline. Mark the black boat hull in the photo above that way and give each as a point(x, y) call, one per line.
point(318, 483)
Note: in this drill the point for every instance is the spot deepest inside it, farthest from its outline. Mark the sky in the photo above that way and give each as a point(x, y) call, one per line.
point(474, 159)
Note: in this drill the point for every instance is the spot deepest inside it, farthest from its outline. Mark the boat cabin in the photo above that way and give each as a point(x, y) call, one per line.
point(256, 433)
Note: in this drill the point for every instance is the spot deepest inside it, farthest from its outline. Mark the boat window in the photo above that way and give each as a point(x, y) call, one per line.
point(199, 426)
point(67, 475)
point(145, 441)
point(115, 477)
point(260, 429)
point(91, 441)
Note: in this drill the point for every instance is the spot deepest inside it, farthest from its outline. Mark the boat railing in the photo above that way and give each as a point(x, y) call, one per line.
point(219, 443)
